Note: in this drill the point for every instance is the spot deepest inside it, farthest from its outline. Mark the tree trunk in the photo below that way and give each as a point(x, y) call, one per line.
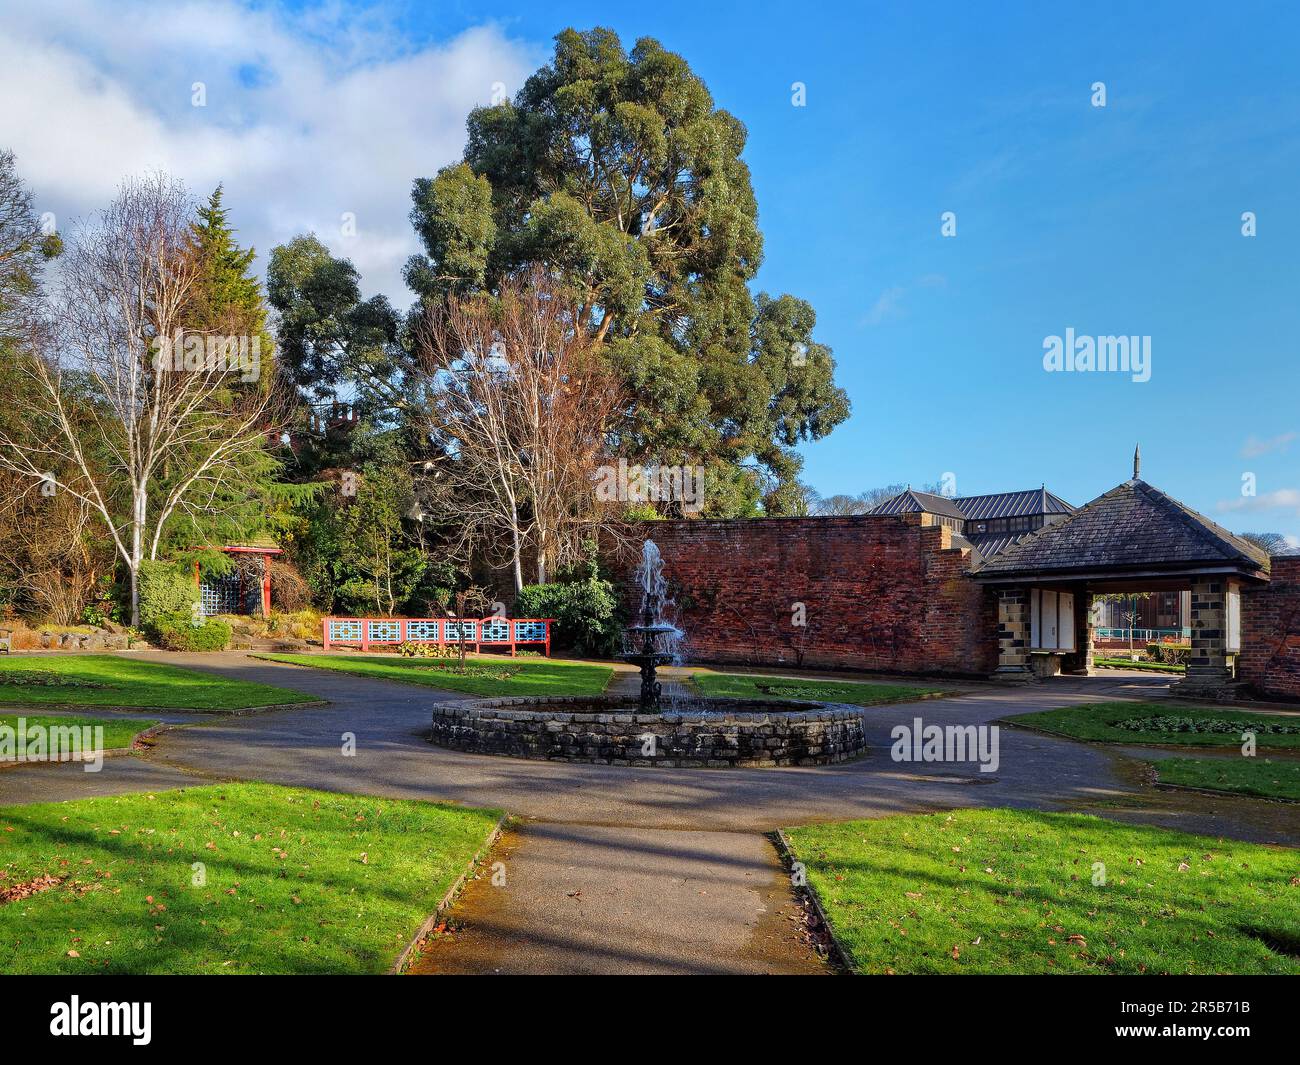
point(135, 596)
point(518, 559)
point(139, 509)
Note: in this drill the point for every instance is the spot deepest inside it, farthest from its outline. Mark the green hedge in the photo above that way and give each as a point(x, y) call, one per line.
point(585, 613)
point(165, 592)
point(179, 633)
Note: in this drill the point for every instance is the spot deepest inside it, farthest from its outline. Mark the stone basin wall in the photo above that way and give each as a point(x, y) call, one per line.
point(714, 733)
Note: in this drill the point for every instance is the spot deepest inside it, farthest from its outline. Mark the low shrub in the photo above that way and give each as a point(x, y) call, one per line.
point(1177, 723)
point(1173, 654)
point(179, 633)
point(45, 677)
point(424, 650)
point(304, 624)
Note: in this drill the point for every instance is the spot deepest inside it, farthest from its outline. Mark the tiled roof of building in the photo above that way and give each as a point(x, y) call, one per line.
point(978, 508)
point(995, 544)
point(912, 502)
point(1133, 526)
point(1012, 504)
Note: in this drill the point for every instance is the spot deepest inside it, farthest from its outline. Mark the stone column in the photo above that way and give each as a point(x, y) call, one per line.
point(1013, 636)
point(1210, 673)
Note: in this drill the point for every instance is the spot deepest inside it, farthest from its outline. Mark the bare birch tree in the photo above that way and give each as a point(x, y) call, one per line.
point(124, 417)
point(521, 403)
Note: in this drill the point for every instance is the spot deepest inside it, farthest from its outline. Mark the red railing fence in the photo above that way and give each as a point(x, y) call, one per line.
point(479, 632)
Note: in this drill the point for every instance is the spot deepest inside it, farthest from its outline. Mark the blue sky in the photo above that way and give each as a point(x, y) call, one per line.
point(1117, 220)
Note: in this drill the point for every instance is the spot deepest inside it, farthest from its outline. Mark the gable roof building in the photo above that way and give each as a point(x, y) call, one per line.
point(988, 523)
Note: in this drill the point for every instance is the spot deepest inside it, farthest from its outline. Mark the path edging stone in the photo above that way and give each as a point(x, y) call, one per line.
point(842, 957)
point(430, 922)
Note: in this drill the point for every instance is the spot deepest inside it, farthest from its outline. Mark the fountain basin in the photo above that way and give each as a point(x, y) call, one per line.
point(613, 730)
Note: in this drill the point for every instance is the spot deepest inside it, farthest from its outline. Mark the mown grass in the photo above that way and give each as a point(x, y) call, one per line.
point(859, 693)
point(1150, 667)
point(530, 676)
point(117, 733)
point(232, 878)
point(108, 680)
point(1096, 721)
point(1243, 776)
point(1011, 891)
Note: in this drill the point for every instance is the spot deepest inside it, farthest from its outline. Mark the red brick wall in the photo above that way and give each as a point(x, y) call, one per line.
point(1270, 632)
point(880, 593)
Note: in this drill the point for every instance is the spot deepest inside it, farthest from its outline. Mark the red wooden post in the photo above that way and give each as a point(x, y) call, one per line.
point(325, 634)
point(365, 634)
point(266, 586)
point(548, 638)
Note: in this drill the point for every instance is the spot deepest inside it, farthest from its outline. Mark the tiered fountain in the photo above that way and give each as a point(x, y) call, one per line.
point(657, 637)
point(692, 731)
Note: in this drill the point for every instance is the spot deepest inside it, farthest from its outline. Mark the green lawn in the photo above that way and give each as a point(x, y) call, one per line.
point(109, 680)
point(1150, 667)
point(750, 686)
point(1009, 891)
point(495, 675)
point(1246, 776)
point(117, 733)
point(1167, 723)
point(296, 881)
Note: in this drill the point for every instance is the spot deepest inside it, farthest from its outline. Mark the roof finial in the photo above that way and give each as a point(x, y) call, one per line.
point(1137, 463)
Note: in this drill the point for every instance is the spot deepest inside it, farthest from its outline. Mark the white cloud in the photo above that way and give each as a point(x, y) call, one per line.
point(308, 115)
point(1283, 499)
point(1254, 447)
point(889, 304)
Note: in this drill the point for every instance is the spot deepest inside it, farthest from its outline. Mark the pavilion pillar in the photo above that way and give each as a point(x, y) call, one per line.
point(1013, 636)
point(1211, 667)
point(1079, 662)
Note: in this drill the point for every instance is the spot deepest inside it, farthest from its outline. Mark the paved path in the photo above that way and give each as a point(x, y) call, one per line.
point(585, 899)
point(619, 869)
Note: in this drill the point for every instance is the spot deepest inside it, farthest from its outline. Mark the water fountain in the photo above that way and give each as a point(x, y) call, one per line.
point(658, 638)
point(690, 731)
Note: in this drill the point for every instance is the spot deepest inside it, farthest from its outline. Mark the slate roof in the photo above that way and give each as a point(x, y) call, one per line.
point(976, 508)
point(992, 544)
point(912, 502)
point(1133, 527)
